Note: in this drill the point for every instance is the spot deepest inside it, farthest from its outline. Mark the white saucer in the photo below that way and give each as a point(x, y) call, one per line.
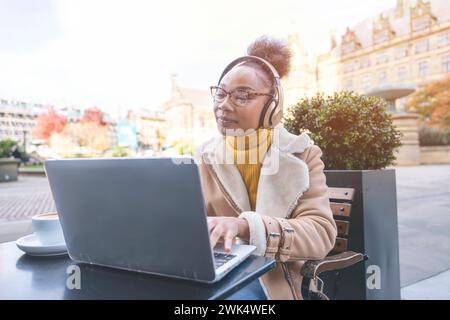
point(31, 245)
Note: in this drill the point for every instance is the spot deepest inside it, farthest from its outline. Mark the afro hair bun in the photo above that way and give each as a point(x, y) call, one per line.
point(273, 50)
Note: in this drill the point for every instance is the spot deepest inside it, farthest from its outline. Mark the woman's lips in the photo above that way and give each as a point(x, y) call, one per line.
point(224, 121)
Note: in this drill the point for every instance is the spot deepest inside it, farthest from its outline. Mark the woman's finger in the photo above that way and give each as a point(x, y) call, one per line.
point(228, 241)
point(216, 234)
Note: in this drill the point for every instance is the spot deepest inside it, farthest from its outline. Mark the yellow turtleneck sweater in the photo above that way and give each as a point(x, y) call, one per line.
point(248, 153)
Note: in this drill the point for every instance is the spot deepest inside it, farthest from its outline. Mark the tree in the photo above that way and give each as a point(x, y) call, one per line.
point(160, 140)
point(441, 114)
point(183, 146)
point(49, 123)
point(63, 144)
point(432, 103)
point(94, 115)
point(91, 137)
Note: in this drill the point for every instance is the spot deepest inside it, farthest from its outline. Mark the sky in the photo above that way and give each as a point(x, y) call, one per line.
point(120, 54)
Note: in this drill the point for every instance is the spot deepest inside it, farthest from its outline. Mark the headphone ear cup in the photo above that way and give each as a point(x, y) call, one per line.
point(267, 116)
point(276, 116)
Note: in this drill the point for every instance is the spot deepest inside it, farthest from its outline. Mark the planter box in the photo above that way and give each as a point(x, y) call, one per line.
point(24, 171)
point(373, 230)
point(9, 169)
point(434, 154)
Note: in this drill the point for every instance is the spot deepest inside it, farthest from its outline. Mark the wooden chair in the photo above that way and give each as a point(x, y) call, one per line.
point(339, 258)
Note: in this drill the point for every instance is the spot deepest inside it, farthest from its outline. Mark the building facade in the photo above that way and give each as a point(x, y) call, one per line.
point(302, 76)
point(150, 126)
point(18, 119)
point(189, 115)
point(408, 44)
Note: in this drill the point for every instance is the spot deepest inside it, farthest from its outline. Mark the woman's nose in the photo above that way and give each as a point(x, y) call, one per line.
point(225, 105)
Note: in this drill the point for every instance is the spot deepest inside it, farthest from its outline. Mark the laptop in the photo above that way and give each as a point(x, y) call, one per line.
point(140, 214)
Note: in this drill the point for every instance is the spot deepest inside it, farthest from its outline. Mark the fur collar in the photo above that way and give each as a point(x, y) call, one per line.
point(284, 177)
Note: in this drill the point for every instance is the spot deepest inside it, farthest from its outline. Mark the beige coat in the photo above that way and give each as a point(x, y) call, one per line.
point(292, 222)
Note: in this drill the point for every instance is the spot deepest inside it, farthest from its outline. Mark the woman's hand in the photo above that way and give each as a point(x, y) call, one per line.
point(227, 228)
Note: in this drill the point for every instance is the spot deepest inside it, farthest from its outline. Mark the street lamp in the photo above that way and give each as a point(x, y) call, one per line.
point(24, 141)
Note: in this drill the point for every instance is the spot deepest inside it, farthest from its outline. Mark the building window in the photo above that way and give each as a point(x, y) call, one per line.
point(365, 83)
point(423, 68)
point(381, 36)
point(446, 64)
point(382, 78)
point(421, 23)
point(444, 39)
point(401, 52)
point(422, 45)
point(348, 47)
point(349, 67)
point(364, 63)
point(382, 58)
point(402, 73)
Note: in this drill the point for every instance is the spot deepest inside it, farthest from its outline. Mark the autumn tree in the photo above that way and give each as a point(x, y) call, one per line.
point(441, 114)
point(90, 136)
point(432, 103)
point(48, 123)
point(93, 115)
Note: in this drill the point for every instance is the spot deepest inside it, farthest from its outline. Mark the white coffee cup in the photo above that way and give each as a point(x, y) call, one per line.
point(47, 228)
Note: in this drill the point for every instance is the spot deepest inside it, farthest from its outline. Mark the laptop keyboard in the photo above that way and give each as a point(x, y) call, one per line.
point(221, 258)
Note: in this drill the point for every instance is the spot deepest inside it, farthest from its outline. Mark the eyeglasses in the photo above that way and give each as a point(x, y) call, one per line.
point(240, 97)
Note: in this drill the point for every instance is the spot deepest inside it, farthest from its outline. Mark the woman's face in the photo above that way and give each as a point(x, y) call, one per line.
point(230, 117)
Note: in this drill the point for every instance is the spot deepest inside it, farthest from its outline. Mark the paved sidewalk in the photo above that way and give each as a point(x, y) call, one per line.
point(436, 287)
point(24, 198)
point(19, 201)
point(423, 194)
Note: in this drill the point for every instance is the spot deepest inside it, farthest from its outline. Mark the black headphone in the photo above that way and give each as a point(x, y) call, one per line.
point(272, 111)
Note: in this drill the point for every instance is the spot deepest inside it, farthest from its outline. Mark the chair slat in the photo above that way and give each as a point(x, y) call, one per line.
point(341, 193)
point(341, 209)
point(342, 227)
point(340, 245)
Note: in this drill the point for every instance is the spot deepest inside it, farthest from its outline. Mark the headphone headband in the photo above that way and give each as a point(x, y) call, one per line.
point(233, 63)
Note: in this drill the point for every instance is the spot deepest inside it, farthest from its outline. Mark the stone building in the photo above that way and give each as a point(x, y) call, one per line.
point(189, 114)
point(18, 119)
point(405, 45)
point(150, 126)
point(389, 55)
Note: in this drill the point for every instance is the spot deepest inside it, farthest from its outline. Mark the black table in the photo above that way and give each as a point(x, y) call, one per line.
point(26, 277)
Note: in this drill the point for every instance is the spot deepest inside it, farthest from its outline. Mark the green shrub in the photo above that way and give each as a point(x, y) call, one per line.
point(355, 132)
point(119, 152)
point(6, 147)
point(433, 137)
point(183, 146)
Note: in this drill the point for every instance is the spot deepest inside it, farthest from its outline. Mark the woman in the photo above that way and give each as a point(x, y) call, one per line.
point(278, 203)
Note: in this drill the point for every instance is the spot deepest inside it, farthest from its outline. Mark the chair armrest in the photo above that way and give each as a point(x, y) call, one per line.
point(312, 268)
